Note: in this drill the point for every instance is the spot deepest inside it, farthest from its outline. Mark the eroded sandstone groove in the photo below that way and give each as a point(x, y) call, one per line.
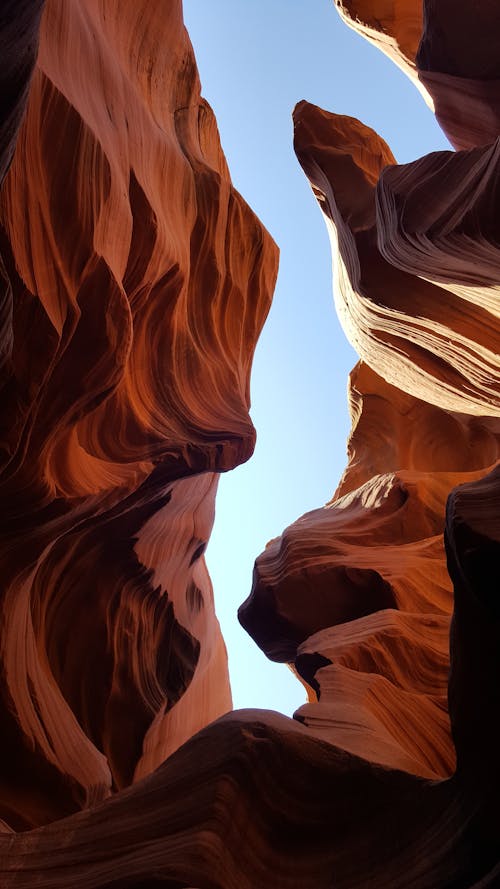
point(137, 281)
point(131, 304)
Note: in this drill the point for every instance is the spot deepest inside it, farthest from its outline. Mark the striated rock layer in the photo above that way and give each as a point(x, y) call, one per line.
point(450, 52)
point(137, 281)
point(357, 594)
point(416, 286)
point(141, 280)
point(393, 26)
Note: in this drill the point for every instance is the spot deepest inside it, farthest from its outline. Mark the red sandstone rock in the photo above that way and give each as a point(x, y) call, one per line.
point(336, 564)
point(19, 25)
point(436, 337)
point(357, 593)
point(20, 21)
point(391, 429)
point(133, 331)
point(458, 63)
point(110, 651)
point(473, 548)
point(449, 50)
point(393, 26)
point(381, 683)
point(254, 800)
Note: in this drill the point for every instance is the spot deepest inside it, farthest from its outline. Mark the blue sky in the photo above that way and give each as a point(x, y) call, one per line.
point(257, 58)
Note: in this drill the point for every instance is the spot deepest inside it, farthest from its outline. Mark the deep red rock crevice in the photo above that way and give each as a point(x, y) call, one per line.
point(135, 282)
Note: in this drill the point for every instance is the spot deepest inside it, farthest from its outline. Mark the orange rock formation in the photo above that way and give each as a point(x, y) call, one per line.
point(393, 26)
point(415, 285)
point(358, 594)
point(450, 52)
point(140, 282)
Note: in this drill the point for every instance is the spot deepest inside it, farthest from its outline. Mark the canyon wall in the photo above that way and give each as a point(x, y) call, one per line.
point(357, 593)
point(136, 283)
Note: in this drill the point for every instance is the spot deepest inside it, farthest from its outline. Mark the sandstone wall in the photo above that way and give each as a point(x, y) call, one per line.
point(139, 291)
point(137, 281)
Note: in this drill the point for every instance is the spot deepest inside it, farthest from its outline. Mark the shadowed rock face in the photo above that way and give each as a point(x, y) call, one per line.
point(138, 282)
point(415, 285)
point(449, 50)
point(141, 280)
point(393, 26)
point(459, 65)
point(357, 594)
point(19, 22)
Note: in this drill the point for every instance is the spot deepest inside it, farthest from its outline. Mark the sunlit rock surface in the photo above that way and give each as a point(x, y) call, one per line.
point(357, 594)
point(393, 26)
point(414, 255)
point(450, 52)
point(138, 292)
point(137, 281)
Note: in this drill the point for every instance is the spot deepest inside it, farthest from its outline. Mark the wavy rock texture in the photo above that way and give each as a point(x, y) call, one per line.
point(139, 292)
point(458, 63)
point(416, 265)
point(357, 594)
point(393, 26)
point(19, 24)
point(450, 52)
point(140, 282)
point(254, 800)
point(414, 271)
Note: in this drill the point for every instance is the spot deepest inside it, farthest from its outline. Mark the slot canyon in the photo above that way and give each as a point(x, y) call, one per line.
point(135, 281)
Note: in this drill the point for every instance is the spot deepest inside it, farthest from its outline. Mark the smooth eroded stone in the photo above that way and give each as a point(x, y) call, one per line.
point(421, 310)
point(140, 280)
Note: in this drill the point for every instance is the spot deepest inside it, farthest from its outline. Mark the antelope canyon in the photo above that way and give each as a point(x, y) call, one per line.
point(135, 282)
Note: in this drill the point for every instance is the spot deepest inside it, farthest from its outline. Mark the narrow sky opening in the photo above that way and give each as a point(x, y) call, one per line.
point(256, 60)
